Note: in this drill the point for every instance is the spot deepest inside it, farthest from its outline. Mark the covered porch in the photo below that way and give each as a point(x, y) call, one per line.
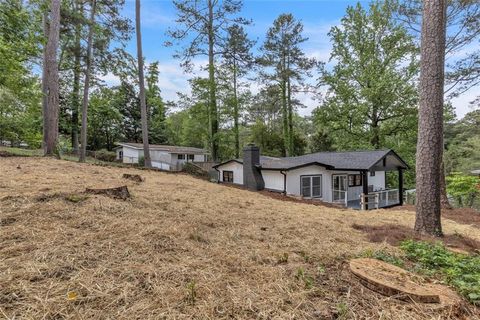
point(368, 193)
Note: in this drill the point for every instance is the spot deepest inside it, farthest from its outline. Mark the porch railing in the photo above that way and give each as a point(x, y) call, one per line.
point(379, 199)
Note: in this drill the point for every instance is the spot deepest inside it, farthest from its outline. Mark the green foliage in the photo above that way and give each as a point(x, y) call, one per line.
point(141, 161)
point(459, 270)
point(463, 188)
point(383, 256)
point(105, 155)
point(307, 279)
point(371, 102)
point(462, 140)
point(191, 292)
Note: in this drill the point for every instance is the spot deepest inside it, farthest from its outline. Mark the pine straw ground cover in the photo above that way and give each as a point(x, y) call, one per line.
point(181, 248)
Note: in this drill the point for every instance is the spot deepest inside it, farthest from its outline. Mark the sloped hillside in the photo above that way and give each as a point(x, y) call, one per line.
point(180, 248)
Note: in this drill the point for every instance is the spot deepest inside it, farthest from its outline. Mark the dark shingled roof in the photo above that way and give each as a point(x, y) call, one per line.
point(159, 147)
point(348, 160)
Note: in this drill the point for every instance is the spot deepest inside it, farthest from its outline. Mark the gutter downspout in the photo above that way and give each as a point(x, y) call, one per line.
point(284, 181)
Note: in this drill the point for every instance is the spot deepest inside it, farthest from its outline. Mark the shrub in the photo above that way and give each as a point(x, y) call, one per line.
point(141, 161)
point(459, 270)
point(105, 155)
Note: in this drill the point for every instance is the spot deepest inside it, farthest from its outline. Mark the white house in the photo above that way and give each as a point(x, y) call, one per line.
point(350, 178)
point(163, 157)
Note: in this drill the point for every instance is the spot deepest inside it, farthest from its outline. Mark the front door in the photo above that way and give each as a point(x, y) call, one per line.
point(339, 188)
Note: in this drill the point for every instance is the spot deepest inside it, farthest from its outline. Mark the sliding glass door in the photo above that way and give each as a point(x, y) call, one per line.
point(339, 188)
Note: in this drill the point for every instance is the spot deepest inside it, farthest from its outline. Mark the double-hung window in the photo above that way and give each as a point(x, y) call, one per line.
point(354, 180)
point(228, 176)
point(311, 186)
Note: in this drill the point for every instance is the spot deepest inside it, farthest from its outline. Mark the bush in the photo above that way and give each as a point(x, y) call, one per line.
point(105, 155)
point(459, 270)
point(463, 188)
point(141, 161)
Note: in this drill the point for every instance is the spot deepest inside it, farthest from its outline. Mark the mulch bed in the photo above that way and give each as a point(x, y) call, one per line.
point(395, 234)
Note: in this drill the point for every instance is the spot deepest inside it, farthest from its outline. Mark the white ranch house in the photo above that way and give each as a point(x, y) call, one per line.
point(164, 157)
point(355, 179)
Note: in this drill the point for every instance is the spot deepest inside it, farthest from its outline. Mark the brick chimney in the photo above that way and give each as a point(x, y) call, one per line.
point(252, 177)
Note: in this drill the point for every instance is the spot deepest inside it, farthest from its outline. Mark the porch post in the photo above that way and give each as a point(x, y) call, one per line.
point(400, 186)
point(365, 186)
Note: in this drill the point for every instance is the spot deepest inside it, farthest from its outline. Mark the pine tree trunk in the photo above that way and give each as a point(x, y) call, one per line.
point(86, 85)
point(285, 119)
point(235, 112)
point(50, 117)
point(430, 123)
point(212, 84)
point(290, 118)
point(77, 70)
point(141, 81)
point(44, 79)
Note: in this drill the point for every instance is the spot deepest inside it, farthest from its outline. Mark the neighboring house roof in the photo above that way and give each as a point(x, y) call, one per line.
point(348, 160)
point(475, 171)
point(159, 147)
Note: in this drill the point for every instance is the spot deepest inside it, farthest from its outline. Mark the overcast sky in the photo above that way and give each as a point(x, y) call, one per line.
point(318, 16)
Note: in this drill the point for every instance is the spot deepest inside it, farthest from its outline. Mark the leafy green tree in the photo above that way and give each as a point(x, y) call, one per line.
point(465, 189)
point(105, 124)
point(371, 89)
point(287, 67)
point(156, 108)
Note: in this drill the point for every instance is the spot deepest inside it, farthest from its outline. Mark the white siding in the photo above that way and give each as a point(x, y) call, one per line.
point(273, 179)
point(161, 156)
point(131, 155)
point(237, 169)
point(293, 180)
point(199, 158)
point(378, 181)
point(160, 165)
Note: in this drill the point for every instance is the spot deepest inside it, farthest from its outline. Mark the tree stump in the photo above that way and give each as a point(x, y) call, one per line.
point(115, 193)
point(133, 177)
point(390, 280)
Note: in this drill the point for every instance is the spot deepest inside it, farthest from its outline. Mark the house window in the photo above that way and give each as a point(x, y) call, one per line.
point(228, 176)
point(191, 157)
point(120, 155)
point(181, 157)
point(311, 186)
point(354, 180)
point(372, 173)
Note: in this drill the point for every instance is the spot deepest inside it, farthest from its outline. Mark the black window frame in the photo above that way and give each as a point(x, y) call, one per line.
point(190, 157)
point(181, 156)
point(355, 180)
point(311, 176)
point(230, 179)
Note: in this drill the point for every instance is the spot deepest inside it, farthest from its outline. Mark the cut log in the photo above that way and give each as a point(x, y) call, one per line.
point(133, 177)
point(116, 193)
point(390, 280)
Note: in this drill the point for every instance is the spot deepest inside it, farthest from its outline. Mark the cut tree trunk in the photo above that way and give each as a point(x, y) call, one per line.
point(116, 193)
point(141, 80)
point(133, 177)
point(430, 122)
point(50, 116)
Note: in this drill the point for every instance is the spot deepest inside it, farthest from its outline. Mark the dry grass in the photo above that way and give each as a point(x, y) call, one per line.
point(181, 248)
